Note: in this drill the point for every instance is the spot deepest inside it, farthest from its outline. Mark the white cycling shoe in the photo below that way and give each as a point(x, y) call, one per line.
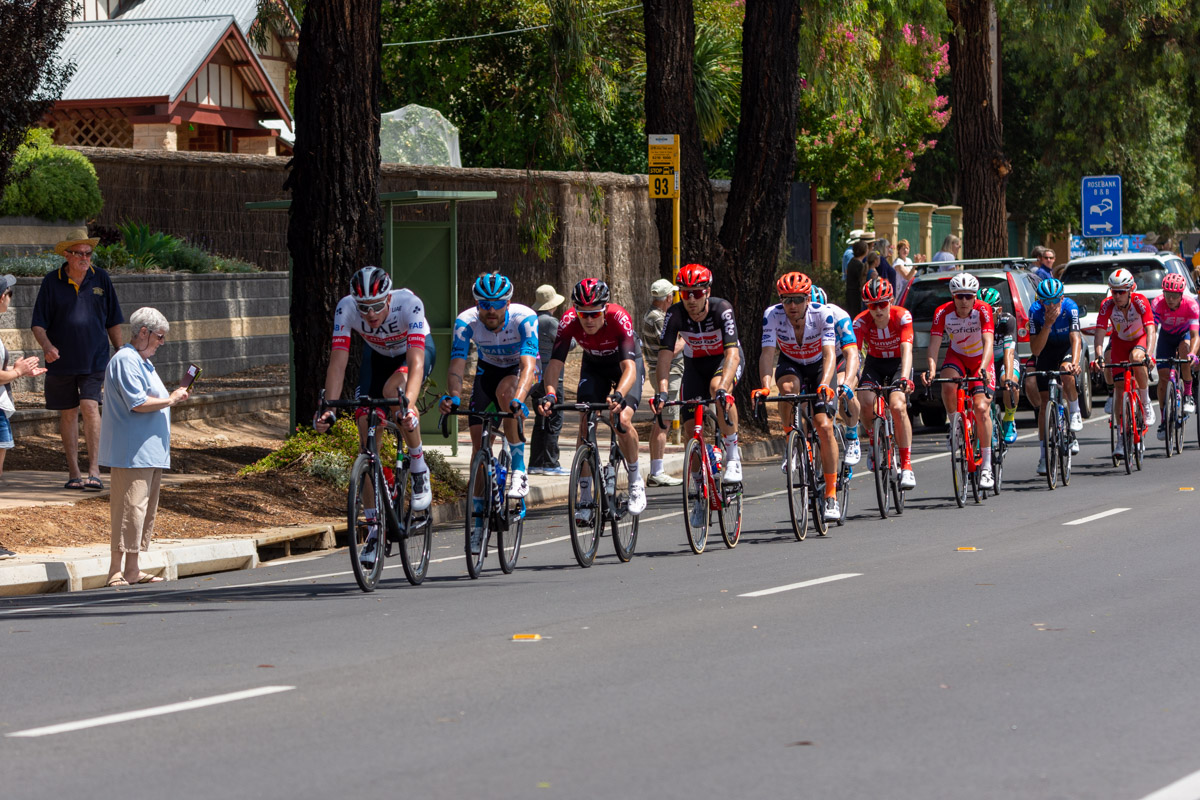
point(1108, 405)
point(476, 540)
point(1119, 450)
point(908, 481)
point(853, 452)
point(367, 555)
point(732, 473)
point(1150, 418)
point(637, 497)
point(518, 484)
point(1041, 467)
point(1074, 447)
point(832, 511)
point(1076, 422)
point(985, 478)
point(1189, 405)
point(422, 495)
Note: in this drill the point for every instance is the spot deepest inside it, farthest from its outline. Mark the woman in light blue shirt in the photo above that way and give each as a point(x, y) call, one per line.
point(135, 443)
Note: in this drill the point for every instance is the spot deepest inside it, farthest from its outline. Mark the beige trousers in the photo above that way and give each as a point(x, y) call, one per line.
point(133, 504)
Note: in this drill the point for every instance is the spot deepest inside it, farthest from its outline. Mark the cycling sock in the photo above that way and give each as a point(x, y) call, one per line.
point(585, 489)
point(852, 434)
point(1073, 405)
point(1145, 395)
point(1043, 444)
point(831, 484)
point(1010, 414)
point(986, 454)
point(1187, 388)
point(477, 505)
point(731, 448)
point(905, 458)
point(656, 466)
point(518, 455)
point(417, 462)
point(633, 468)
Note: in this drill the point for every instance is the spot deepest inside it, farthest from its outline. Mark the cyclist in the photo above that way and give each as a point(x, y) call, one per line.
point(612, 371)
point(1056, 342)
point(1178, 318)
point(885, 333)
point(847, 370)
point(1008, 371)
point(712, 359)
point(802, 333)
point(968, 322)
point(506, 335)
point(1134, 336)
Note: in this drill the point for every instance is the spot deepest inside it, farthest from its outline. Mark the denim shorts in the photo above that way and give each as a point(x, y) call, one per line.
point(6, 438)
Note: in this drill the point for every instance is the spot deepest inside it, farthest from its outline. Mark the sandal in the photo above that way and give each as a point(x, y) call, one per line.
point(74, 483)
point(117, 580)
point(93, 485)
point(146, 577)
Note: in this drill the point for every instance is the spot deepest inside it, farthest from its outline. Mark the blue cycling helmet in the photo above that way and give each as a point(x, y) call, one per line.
point(492, 286)
point(819, 296)
point(1050, 290)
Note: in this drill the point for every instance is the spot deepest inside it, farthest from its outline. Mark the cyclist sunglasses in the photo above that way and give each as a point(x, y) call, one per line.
point(694, 294)
point(879, 304)
point(491, 305)
point(372, 308)
point(797, 299)
point(589, 314)
point(1120, 291)
point(964, 297)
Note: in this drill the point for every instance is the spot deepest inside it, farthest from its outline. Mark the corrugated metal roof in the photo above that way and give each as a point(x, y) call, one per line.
point(244, 11)
point(151, 58)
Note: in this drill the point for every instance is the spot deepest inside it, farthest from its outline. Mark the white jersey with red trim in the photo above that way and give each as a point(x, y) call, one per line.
point(819, 330)
point(402, 328)
point(1129, 323)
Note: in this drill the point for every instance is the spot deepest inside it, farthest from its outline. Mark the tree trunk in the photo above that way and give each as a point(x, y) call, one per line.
point(335, 223)
point(762, 172)
point(983, 167)
point(671, 108)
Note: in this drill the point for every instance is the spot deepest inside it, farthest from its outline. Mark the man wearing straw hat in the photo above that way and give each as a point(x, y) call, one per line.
point(75, 318)
point(543, 445)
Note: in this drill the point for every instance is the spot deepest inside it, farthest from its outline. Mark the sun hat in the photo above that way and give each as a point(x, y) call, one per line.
point(546, 298)
point(661, 288)
point(62, 247)
point(855, 235)
point(7, 282)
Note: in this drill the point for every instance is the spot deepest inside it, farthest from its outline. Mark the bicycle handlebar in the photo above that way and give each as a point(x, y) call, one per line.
point(444, 419)
point(695, 402)
point(584, 408)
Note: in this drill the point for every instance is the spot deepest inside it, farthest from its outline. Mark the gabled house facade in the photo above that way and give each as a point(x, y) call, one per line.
point(177, 75)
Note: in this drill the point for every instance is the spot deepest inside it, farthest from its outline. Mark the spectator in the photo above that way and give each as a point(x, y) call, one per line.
point(21, 368)
point(905, 271)
point(949, 252)
point(543, 445)
point(135, 443)
point(1044, 265)
point(662, 295)
point(856, 276)
point(848, 254)
point(75, 318)
point(885, 270)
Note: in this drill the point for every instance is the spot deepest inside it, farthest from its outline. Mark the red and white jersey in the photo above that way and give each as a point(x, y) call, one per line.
point(964, 333)
point(884, 342)
point(818, 331)
point(1128, 323)
point(402, 328)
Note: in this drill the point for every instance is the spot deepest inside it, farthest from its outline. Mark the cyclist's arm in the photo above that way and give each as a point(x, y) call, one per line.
point(989, 350)
point(1076, 347)
point(935, 345)
point(525, 378)
point(906, 358)
point(415, 359)
point(766, 365)
point(733, 357)
point(628, 376)
point(335, 375)
point(851, 352)
point(554, 369)
point(662, 370)
point(1010, 362)
point(828, 365)
point(1037, 342)
point(1195, 341)
point(1151, 339)
point(454, 376)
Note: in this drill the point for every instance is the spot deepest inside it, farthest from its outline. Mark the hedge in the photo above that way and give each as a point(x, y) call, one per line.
point(50, 182)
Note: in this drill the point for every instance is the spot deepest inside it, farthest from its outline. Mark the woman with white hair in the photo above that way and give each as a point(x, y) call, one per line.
point(135, 443)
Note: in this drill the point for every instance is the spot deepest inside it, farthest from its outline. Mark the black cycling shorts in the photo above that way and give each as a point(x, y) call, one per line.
point(483, 393)
point(881, 371)
point(598, 379)
point(699, 372)
point(810, 379)
point(377, 368)
point(1052, 357)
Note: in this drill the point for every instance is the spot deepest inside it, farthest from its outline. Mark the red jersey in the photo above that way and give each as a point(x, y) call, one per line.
point(884, 342)
point(966, 333)
point(1128, 323)
point(614, 342)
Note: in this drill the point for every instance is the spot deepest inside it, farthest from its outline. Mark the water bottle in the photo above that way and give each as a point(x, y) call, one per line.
point(610, 480)
point(501, 475)
point(714, 455)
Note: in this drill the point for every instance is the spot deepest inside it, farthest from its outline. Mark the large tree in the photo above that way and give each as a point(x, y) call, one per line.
point(335, 224)
point(31, 77)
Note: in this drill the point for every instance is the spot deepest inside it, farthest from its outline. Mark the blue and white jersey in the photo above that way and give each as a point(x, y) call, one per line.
point(517, 337)
point(1066, 323)
point(843, 326)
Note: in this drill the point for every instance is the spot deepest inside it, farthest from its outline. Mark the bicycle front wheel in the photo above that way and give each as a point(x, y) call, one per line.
point(1140, 435)
point(623, 524)
point(480, 491)
point(1053, 444)
point(816, 485)
point(797, 484)
point(508, 538)
point(843, 476)
point(583, 505)
point(417, 537)
point(730, 518)
point(1127, 432)
point(695, 497)
point(1175, 433)
point(893, 456)
point(958, 459)
point(881, 457)
point(365, 522)
point(1169, 412)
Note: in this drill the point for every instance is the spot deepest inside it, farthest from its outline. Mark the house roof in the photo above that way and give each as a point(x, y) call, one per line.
point(244, 11)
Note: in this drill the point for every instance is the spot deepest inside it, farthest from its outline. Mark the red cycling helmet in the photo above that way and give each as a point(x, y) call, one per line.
point(1174, 282)
point(589, 292)
point(877, 290)
point(793, 283)
point(694, 276)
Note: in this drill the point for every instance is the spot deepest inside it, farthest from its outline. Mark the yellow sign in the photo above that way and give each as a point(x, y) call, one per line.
point(663, 151)
point(664, 183)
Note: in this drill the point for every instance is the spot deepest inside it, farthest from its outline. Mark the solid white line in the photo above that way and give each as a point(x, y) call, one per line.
point(1183, 789)
point(189, 705)
point(1101, 515)
point(790, 586)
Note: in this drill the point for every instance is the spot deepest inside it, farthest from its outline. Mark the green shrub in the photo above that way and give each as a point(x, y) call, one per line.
point(147, 249)
point(50, 182)
point(34, 266)
point(223, 264)
point(187, 258)
point(112, 258)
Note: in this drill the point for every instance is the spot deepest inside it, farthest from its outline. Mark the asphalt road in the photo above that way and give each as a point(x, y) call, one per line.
point(1052, 661)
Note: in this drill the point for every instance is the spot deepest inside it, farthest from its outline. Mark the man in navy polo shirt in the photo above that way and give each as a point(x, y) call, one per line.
point(75, 318)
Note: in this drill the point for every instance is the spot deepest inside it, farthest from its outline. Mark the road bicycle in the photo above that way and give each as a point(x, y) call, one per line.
point(488, 503)
point(999, 446)
point(1173, 417)
point(805, 477)
point(1059, 436)
point(607, 498)
point(390, 503)
point(885, 455)
point(703, 491)
point(965, 457)
point(1133, 418)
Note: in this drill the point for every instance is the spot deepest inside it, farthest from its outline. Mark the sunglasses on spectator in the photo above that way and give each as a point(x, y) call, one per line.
point(797, 299)
point(1047, 255)
point(879, 304)
point(372, 308)
point(593, 314)
point(80, 253)
point(6, 293)
point(491, 305)
point(694, 294)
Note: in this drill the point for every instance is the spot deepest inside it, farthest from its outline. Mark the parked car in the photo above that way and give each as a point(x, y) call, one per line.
point(1017, 287)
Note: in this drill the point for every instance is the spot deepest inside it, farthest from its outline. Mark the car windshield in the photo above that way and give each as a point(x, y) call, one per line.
point(1147, 274)
point(925, 296)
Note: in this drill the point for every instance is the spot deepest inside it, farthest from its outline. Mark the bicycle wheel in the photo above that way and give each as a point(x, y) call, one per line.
point(1064, 458)
point(624, 524)
point(1053, 446)
point(1168, 416)
point(797, 484)
point(730, 517)
point(361, 517)
point(880, 455)
point(1127, 432)
point(894, 478)
point(1112, 438)
point(416, 539)
point(1196, 402)
point(816, 485)
point(695, 497)
point(584, 505)
point(480, 500)
point(1140, 444)
point(958, 458)
point(508, 538)
point(843, 476)
point(1176, 432)
point(998, 451)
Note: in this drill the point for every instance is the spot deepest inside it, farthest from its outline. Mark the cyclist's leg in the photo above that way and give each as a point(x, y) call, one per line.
point(952, 367)
point(981, 401)
point(629, 440)
point(1141, 374)
point(732, 472)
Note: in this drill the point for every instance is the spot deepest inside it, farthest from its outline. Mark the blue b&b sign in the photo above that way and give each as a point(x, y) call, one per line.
point(1100, 205)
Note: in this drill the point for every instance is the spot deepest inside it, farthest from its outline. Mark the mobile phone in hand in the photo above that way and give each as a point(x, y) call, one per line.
point(190, 376)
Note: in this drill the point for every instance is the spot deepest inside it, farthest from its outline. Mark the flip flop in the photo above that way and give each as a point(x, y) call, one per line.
point(93, 485)
point(117, 580)
point(146, 577)
point(74, 483)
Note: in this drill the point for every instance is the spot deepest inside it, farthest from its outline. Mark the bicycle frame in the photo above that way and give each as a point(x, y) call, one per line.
point(811, 478)
point(721, 499)
point(1172, 405)
point(1131, 396)
point(968, 415)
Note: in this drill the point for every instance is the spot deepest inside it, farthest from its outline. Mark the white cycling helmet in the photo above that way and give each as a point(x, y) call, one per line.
point(1122, 279)
point(964, 283)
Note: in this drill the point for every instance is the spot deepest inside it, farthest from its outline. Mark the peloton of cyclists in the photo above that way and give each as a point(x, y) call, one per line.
point(1133, 337)
point(968, 323)
point(848, 362)
point(612, 371)
point(1178, 319)
point(1057, 344)
point(802, 334)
